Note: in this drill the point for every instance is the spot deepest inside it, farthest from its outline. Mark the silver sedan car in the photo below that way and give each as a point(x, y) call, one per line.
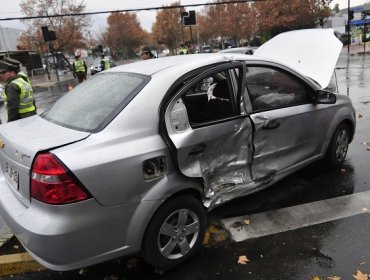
point(131, 161)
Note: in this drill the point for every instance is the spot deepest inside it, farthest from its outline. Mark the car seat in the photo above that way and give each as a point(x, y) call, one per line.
point(219, 106)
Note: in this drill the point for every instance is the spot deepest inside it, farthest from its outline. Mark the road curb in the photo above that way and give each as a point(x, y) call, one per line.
point(18, 263)
point(12, 264)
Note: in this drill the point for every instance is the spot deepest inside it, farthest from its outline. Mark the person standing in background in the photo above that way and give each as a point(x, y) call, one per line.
point(146, 53)
point(18, 94)
point(105, 64)
point(79, 69)
point(19, 64)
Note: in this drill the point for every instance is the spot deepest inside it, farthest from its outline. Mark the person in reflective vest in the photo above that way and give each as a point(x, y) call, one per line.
point(19, 64)
point(183, 49)
point(105, 64)
point(79, 69)
point(18, 95)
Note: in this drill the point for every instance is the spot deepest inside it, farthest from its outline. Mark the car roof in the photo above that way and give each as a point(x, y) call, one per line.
point(238, 50)
point(186, 62)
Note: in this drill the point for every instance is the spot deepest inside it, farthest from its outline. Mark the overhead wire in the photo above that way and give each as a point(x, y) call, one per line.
point(129, 10)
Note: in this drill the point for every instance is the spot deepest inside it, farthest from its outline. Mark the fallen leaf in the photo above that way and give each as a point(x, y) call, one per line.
point(82, 271)
point(206, 238)
point(360, 276)
point(212, 229)
point(316, 278)
point(333, 278)
point(243, 260)
point(247, 222)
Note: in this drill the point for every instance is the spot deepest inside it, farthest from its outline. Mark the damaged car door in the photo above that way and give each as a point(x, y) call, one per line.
point(289, 127)
point(210, 133)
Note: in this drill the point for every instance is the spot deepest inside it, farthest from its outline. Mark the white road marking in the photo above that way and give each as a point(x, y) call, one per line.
point(295, 217)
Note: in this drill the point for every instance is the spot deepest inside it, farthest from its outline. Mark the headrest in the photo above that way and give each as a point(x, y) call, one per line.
point(221, 90)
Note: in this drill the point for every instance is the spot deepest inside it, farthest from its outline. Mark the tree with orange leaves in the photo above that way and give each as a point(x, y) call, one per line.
point(276, 16)
point(69, 30)
point(167, 27)
point(241, 21)
point(124, 34)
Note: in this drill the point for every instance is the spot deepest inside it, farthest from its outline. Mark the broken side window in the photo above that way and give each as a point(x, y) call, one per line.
point(211, 99)
point(271, 88)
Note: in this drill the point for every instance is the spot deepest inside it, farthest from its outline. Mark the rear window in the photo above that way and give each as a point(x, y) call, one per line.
point(93, 104)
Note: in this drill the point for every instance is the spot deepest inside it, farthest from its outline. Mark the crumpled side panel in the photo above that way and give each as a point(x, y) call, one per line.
point(261, 166)
point(225, 163)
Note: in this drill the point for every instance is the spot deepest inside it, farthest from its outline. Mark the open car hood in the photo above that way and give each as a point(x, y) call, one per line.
point(312, 52)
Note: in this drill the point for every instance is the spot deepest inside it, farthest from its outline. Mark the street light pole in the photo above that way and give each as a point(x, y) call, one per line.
point(348, 25)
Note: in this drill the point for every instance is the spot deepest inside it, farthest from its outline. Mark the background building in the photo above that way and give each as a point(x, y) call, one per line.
point(9, 38)
point(357, 24)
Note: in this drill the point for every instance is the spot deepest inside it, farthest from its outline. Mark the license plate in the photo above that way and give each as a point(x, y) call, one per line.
point(11, 175)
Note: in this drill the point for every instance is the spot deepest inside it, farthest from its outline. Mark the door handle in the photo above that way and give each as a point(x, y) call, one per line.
point(198, 149)
point(271, 125)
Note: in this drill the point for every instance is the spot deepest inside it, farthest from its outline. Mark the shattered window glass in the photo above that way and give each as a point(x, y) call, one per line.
point(270, 88)
point(210, 99)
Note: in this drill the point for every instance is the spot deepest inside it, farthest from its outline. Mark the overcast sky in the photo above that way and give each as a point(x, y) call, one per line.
point(12, 9)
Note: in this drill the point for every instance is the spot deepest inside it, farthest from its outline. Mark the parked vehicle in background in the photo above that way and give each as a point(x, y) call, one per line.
point(245, 50)
point(206, 49)
point(151, 146)
point(96, 66)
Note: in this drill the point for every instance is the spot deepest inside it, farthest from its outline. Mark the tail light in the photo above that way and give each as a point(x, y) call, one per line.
point(53, 183)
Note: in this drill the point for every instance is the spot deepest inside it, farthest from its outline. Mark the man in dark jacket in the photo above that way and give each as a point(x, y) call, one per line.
point(19, 99)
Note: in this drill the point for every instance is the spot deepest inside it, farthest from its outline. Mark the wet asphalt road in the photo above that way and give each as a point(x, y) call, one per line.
point(335, 248)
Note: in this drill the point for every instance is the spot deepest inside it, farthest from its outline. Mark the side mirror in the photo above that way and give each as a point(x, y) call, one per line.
point(324, 97)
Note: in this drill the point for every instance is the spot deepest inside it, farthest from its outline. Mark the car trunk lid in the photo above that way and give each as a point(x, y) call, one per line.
point(312, 52)
point(22, 140)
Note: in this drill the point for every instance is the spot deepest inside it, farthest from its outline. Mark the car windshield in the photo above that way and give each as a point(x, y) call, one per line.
point(93, 104)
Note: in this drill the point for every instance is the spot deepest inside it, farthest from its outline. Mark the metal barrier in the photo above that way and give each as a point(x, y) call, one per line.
point(38, 71)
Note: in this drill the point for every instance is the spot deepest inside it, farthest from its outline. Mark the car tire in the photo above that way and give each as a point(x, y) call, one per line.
point(175, 233)
point(338, 147)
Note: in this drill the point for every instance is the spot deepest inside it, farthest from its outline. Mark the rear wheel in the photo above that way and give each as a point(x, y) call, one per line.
point(338, 146)
point(175, 233)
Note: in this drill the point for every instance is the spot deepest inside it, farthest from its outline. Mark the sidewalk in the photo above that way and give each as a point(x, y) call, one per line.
point(60, 82)
point(358, 49)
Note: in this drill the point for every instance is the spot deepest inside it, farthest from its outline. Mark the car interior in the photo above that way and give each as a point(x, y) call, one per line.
point(209, 99)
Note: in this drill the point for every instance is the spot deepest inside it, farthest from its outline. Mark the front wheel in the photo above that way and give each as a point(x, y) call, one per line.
point(338, 147)
point(175, 233)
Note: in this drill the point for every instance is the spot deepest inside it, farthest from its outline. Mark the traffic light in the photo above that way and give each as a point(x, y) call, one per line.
point(189, 18)
point(351, 15)
point(47, 34)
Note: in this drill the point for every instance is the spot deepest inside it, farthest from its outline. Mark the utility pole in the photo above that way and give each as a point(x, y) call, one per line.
point(348, 24)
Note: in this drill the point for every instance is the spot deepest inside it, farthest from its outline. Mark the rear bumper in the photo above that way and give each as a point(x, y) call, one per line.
point(67, 237)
